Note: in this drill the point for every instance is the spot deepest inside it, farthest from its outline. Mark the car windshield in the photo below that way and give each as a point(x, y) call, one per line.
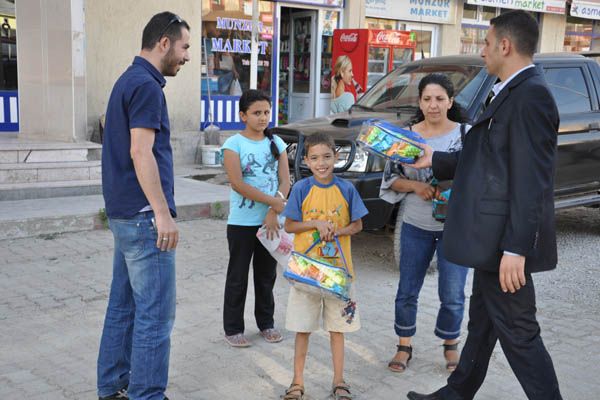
point(399, 89)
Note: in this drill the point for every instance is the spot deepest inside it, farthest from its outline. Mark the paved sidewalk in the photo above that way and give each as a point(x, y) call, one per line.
point(53, 295)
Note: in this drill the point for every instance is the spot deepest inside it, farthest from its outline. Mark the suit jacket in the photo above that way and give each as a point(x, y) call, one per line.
point(503, 190)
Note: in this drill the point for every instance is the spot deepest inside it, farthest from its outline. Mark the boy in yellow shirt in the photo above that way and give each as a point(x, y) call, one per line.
point(322, 206)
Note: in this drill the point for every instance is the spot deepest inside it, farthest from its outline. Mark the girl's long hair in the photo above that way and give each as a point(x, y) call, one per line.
point(341, 64)
point(250, 97)
point(455, 113)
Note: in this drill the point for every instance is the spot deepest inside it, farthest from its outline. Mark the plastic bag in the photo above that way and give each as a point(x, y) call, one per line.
point(280, 247)
point(316, 276)
point(235, 89)
point(390, 141)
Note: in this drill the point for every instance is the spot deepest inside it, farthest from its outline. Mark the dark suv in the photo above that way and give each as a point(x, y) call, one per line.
point(573, 79)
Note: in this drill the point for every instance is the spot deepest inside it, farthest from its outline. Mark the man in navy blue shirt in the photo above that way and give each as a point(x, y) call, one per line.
point(137, 183)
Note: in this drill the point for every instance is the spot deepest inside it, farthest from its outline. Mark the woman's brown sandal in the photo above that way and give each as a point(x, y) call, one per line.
point(294, 392)
point(344, 389)
point(450, 365)
point(400, 366)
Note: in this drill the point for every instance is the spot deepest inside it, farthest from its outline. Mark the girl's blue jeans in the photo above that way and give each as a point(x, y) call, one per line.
point(417, 247)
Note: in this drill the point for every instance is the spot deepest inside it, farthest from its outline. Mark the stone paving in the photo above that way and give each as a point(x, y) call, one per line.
point(53, 294)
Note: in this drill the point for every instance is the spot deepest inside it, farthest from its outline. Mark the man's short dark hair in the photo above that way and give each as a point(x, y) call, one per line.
point(318, 138)
point(520, 27)
point(160, 25)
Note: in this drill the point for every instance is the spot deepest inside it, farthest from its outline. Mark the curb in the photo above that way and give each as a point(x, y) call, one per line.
point(47, 226)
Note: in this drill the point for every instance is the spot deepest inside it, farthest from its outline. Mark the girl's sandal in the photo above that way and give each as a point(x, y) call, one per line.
point(400, 366)
point(271, 335)
point(237, 340)
point(450, 365)
point(294, 392)
point(341, 391)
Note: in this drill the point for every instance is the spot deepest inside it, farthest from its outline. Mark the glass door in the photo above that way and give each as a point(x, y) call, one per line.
point(426, 36)
point(377, 65)
point(329, 22)
point(301, 68)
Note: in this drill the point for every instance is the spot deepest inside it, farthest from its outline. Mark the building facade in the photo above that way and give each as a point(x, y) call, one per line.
point(60, 58)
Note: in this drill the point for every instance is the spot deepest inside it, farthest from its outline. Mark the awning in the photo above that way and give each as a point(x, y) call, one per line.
point(543, 6)
point(589, 9)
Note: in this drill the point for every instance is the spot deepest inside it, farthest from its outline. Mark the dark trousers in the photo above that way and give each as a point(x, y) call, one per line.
point(244, 246)
point(509, 318)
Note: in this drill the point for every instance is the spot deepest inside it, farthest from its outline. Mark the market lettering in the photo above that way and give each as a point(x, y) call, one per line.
point(235, 24)
point(530, 4)
point(431, 3)
point(428, 12)
point(236, 46)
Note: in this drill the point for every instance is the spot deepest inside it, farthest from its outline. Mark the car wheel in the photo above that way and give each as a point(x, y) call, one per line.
point(397, 233)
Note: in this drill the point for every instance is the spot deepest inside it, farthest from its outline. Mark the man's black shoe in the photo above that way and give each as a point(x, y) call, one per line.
point(120, 395)
point(418, 396)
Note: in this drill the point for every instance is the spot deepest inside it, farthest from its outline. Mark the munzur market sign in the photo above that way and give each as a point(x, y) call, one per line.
point(543, 6)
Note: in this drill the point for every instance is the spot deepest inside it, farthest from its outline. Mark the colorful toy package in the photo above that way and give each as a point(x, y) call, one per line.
point(390, 141)
point(316, 276)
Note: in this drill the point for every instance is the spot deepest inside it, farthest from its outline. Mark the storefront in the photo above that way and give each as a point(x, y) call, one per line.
point(423, 17)
point(294, 62)
point(582, 32)
point(478, 13)
point(9, 112)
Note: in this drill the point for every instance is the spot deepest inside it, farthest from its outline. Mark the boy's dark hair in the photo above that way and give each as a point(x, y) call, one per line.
point(163, 24)
point(520, 27)
point(455, 113)
point(319, 138)
point(250, 97)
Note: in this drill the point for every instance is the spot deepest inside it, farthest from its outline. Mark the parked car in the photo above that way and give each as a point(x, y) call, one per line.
point(574, 81)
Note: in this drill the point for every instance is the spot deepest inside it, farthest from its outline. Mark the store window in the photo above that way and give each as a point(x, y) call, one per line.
point(581, 34)
point(226, 40)
point(8, 66)
point(329, 23)
point(475, 24)
point(380, 23)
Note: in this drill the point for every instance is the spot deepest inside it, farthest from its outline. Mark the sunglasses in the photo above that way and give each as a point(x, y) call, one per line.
point(175, 19)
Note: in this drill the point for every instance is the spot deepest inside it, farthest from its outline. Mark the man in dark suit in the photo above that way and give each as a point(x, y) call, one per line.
point(501, 215)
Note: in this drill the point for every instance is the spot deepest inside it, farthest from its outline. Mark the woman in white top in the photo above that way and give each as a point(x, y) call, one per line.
point(343, 92)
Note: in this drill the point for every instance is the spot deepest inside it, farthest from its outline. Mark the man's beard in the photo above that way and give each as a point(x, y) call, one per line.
point(169, 64)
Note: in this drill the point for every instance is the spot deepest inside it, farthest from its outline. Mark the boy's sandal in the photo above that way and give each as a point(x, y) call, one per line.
point(400, 366)
point(237, 340)
point(271, 335)
point(450, 365)
point(294, 392)
point(344, 389)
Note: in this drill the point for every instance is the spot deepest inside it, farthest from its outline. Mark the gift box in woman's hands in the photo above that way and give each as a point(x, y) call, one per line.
point(390, 141)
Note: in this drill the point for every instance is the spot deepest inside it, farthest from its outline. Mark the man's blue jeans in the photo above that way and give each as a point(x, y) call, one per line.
point(135, 344)
point(417, 247)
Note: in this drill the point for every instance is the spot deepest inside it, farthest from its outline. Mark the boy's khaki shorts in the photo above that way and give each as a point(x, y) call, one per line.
point(304, 311)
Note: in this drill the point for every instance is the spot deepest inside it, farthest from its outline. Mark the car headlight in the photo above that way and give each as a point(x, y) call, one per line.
point(359, 164)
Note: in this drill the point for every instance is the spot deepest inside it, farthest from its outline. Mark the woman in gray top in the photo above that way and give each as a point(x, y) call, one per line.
point(438, 121)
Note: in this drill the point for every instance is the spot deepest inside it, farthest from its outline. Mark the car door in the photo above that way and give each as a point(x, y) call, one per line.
point(578, 159)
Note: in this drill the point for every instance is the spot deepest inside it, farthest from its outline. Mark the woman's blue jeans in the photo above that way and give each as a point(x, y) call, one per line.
point(417, 247)
point(135, 344)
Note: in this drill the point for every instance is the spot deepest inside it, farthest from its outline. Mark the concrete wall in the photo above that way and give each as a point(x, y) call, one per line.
point(51, 69)
point(113, 38)
point(552, 33)
point(449, 39)
point(354, 14)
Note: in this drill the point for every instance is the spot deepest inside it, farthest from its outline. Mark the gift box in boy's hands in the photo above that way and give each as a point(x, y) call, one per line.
point(390, 141)
point(315, 276)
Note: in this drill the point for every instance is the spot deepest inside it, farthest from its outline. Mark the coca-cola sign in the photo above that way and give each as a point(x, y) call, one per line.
point(348, 39)
point(391, 37)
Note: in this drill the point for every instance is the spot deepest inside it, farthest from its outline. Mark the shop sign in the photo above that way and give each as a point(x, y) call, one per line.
point(243, 46)
point(543, 6)
point(585, 9)
point(440, 11)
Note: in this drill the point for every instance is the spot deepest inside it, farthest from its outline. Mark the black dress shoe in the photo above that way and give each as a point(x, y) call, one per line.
point(419, 396)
